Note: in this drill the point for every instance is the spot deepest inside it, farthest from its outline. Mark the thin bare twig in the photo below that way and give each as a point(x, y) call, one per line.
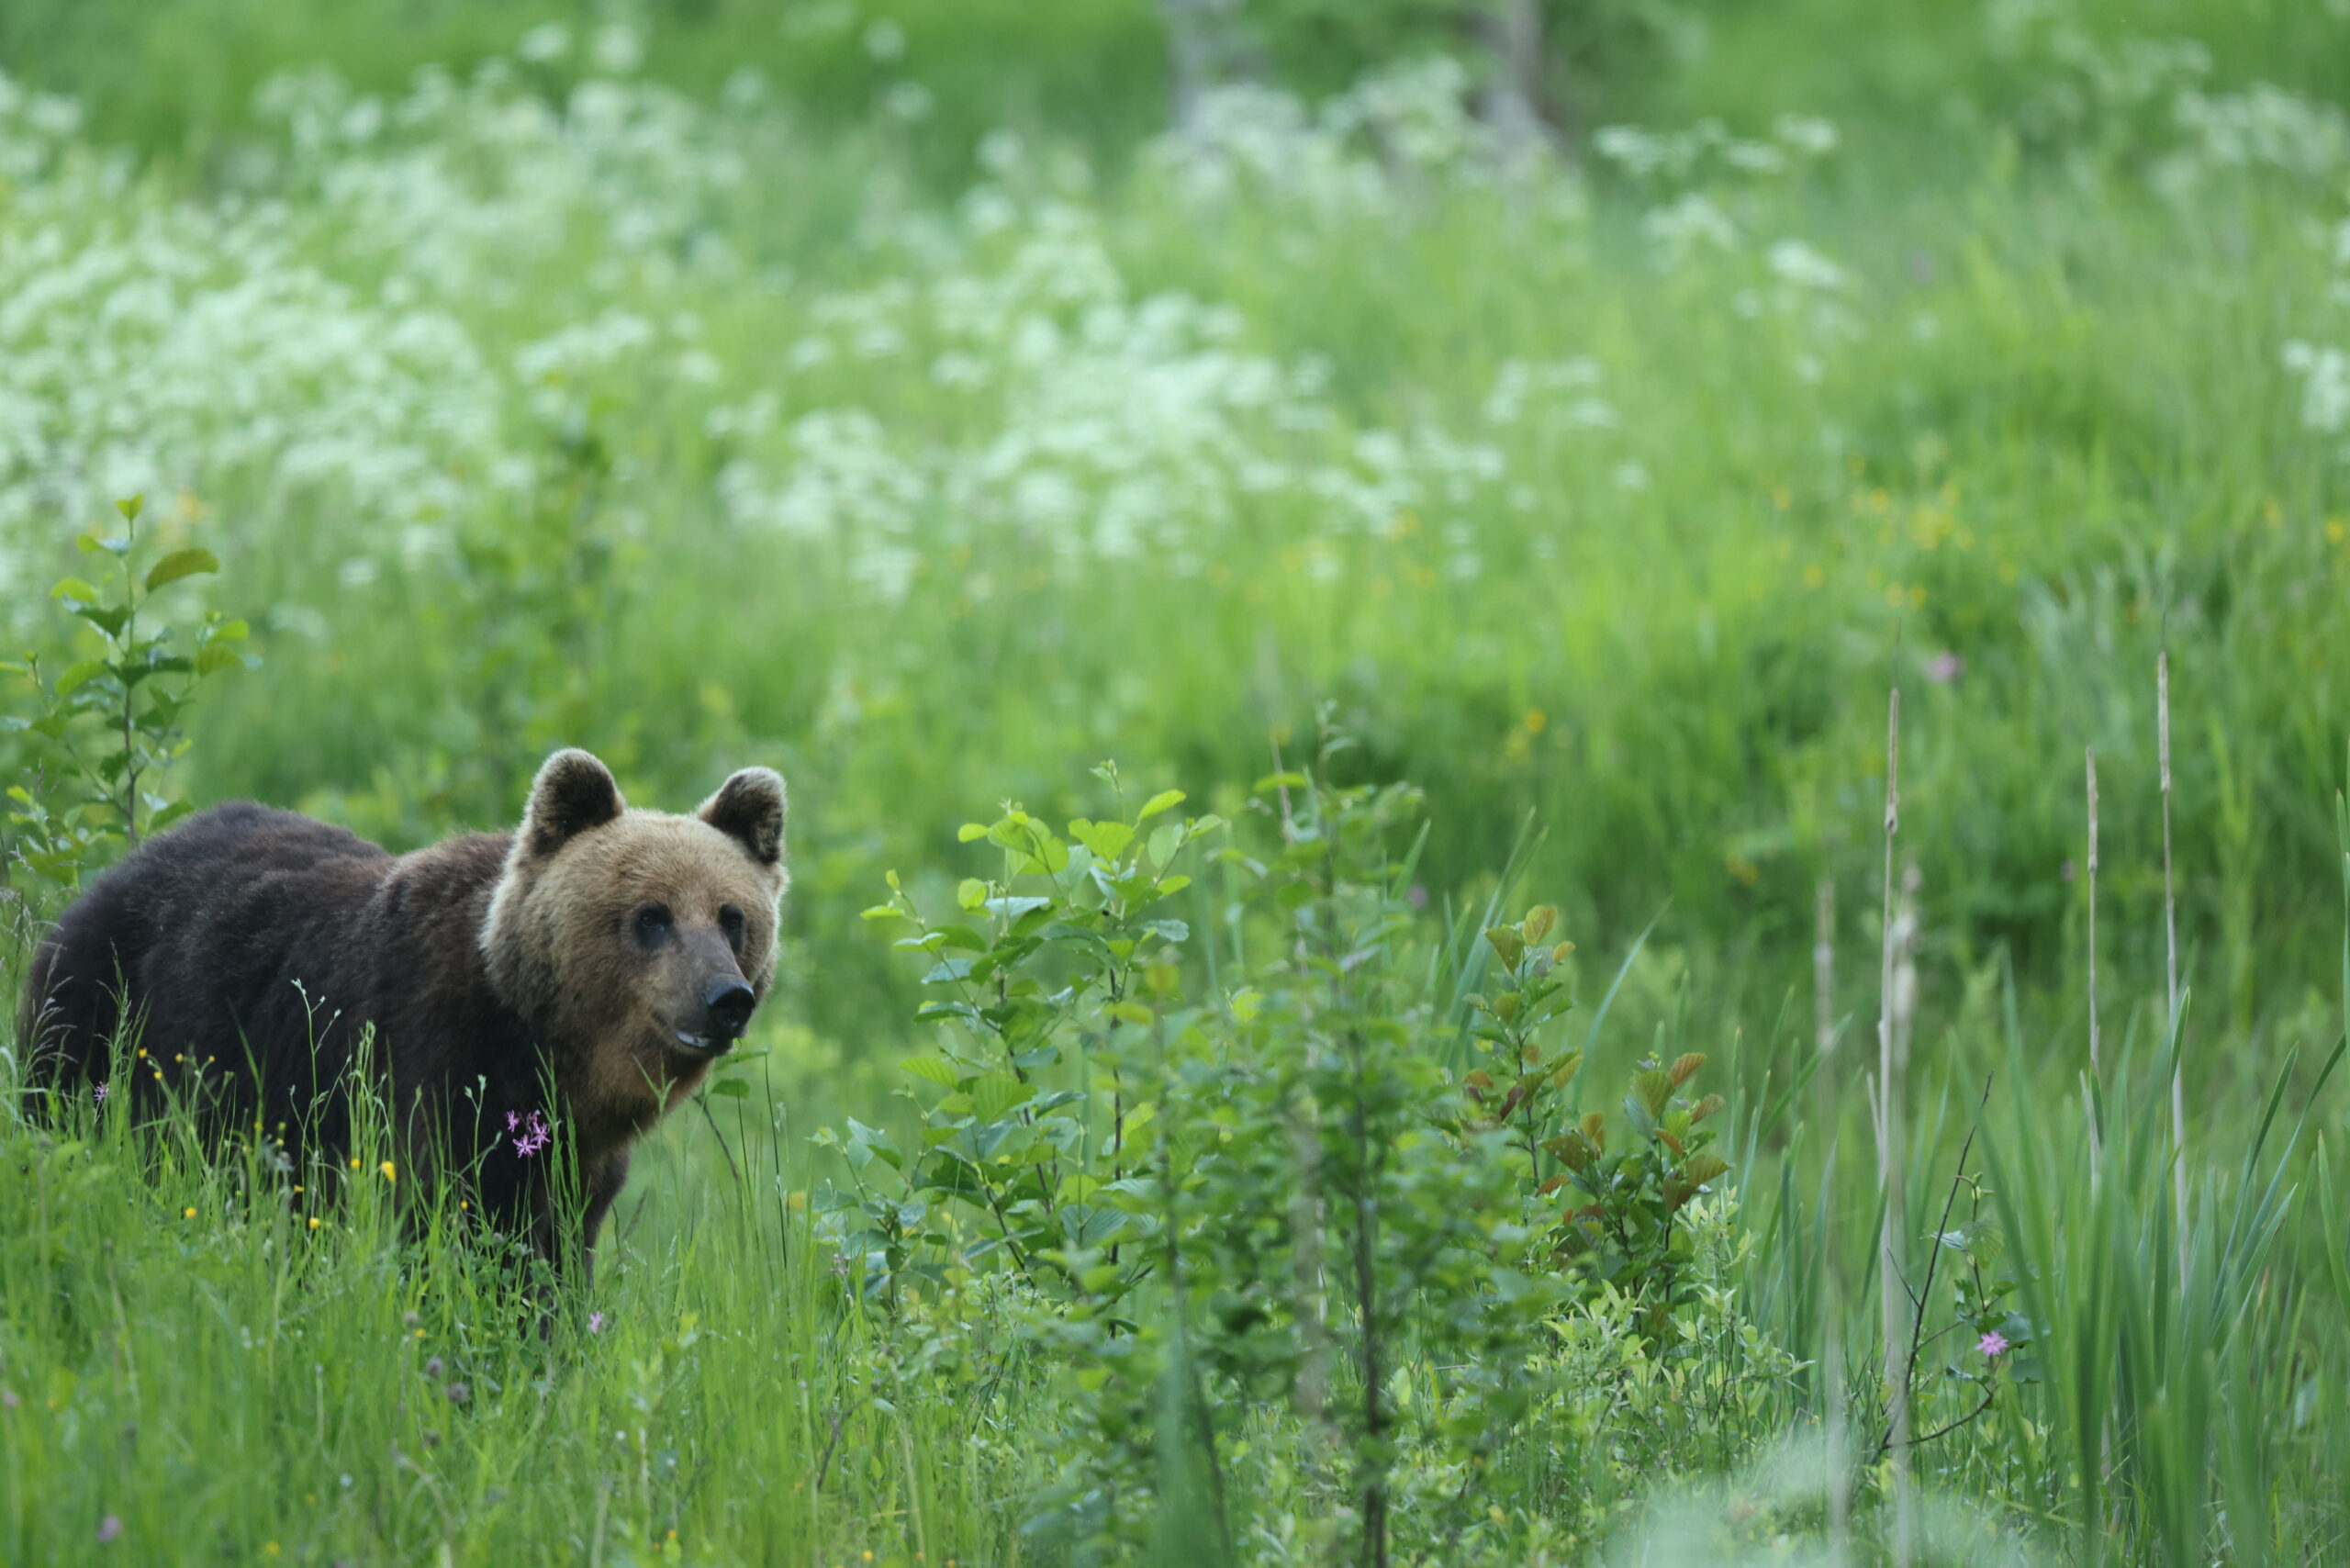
point(1990, 1395)
point(825, 1463)
point(1933, 1255)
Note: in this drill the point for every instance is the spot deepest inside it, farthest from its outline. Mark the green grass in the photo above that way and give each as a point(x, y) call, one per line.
point(2043, 428)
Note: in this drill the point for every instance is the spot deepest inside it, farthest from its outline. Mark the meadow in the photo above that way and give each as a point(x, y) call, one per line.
point(1498, 548)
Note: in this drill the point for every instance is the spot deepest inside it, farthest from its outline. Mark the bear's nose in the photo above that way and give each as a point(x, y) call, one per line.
point(729, 1004)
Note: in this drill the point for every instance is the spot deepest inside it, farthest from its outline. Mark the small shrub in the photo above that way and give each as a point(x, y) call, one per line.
point(109, 729)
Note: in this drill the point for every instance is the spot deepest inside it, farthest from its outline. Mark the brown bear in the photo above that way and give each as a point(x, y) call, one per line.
point(537, 999)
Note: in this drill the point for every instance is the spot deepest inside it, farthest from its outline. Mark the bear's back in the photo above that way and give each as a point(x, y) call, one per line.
point(209, 931)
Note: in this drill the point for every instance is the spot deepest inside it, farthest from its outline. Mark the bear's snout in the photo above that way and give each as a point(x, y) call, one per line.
point(727, 1003)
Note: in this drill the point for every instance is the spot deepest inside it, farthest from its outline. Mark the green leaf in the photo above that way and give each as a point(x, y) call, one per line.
point(211, 659)
point(934, 1069)
point(1108, 840)
point(110, 621)
point(1014, 908)
point(75, 588)
point(732, 1088)
point(971, 830)
point(1506, 941)
point(180, 563)
point(80, 674)
point(1655, 1089)
point(1161, 801)
point(994, 1094)
point(131, 506)
point(1985, 1243)
point(1703, 1167)
point(1084, 1225)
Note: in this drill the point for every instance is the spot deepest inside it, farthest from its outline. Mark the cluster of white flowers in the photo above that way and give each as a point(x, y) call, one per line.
point(2324, 371)
point(157, 346)
point(1093, 425)
point(348, 330)
point(1697, 172)
point(2262, 126)
point(1402, 128)
point(2152, 95)
point(398, 297)
point(1708, 149)
point(462, 188)
point(1565, 390)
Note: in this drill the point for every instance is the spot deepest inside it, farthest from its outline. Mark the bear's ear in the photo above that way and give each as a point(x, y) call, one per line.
point(750, 806)
point(572, 793)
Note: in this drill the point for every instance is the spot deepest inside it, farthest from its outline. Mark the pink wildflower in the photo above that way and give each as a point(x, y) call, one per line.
point(531, 1134)
point(7, 1399)
point(595, 1323)
point(1945, 667)
point(99, 1094)
point(1993, 1345)
point(108, 1528)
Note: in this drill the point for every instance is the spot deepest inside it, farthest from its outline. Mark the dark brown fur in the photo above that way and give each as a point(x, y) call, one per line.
point(245, 951)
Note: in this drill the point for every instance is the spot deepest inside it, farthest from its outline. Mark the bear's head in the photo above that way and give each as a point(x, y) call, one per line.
point(637, 942)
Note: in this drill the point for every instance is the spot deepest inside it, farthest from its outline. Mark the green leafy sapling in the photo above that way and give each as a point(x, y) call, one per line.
point(1627, 1234)
point(1061, 953)
point(1535, 992)
point(110, 725)
point(1624, 1234)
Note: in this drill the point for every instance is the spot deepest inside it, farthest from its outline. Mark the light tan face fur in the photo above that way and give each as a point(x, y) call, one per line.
point(627, 935)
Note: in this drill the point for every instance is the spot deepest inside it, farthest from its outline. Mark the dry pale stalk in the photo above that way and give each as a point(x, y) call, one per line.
point(2097, 1072)
point(1823, 981)
point(2170, 943)
point(1891, 1046)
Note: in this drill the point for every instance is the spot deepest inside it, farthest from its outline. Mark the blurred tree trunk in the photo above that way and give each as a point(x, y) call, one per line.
point(1510, 101)
point(1202, 49)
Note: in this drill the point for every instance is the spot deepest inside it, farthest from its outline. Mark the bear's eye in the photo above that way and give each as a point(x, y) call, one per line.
point(651, 925)
point(730, 921)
